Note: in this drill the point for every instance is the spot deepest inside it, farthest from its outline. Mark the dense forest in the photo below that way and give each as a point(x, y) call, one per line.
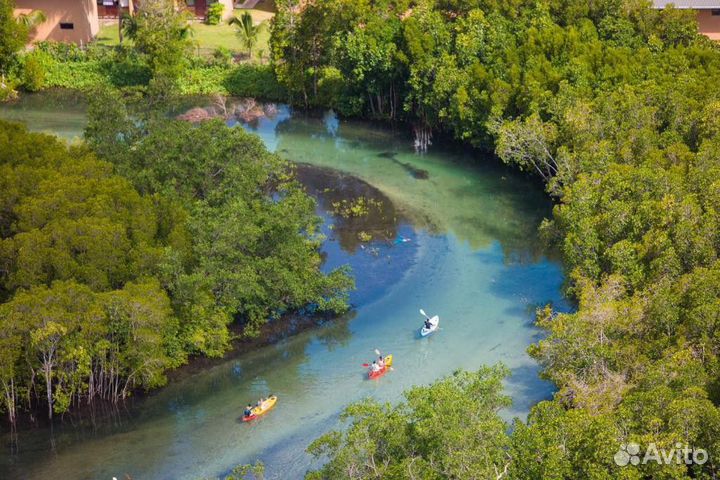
point(610, 103)
point(113, 273)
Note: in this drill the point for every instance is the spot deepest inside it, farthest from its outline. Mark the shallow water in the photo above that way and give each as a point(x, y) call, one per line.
point(458, 240)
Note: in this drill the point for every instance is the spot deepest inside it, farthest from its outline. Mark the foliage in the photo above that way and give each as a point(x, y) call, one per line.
point(255, 233)
point(13, 35)
point(222, 56)
point(80, 251)
point(69, 66)
point(256, 81)
point(450, 429)
point(32, 19)
point(162, 35)
point(109, 281)
point(8, 88)
point(214, 13)
point(357, 207)
point(33, 74)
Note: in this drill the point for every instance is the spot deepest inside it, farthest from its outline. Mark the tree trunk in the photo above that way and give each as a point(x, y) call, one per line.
point(10, 401)
point(120, 19)
point(48, 387)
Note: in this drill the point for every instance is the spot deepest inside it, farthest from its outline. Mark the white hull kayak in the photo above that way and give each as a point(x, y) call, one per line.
point(434, 322)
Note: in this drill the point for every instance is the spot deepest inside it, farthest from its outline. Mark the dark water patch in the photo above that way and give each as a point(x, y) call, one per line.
point(376, 241)
point(373, 219)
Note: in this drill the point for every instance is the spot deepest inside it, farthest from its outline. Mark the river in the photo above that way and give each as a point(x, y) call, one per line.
point(454, 234)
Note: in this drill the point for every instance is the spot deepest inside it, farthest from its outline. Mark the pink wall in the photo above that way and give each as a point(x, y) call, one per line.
point(81, 13)
point(709, 24)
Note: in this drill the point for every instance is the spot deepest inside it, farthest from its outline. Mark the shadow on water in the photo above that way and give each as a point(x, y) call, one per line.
point(417, 173)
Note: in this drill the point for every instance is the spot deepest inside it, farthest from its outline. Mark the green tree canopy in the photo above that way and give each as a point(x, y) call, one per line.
point(450, 429)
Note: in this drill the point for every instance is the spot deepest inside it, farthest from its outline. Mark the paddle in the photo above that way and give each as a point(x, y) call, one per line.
point(377, 352)
point(422, 312)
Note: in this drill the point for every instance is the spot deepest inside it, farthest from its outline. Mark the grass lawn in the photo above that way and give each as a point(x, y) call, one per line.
point(208, 37)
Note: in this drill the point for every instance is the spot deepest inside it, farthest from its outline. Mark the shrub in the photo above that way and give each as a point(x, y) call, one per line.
point(75, 75)
point(63, 52)
point(126, 72)
point(202, 81)
point(214, 13)
point(222, 57)
point(257, 81)
point(33, 77)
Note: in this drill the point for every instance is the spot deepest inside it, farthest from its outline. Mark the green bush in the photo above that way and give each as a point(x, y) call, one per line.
point(75, 75)
point(126, 72)
point(214, 13)
point(257, 81)
point(203, 81)
point(222, 56)
point(63, 52)
point(33, 76)
point(69, 66)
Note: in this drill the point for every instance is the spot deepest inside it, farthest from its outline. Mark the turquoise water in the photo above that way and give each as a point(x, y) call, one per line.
point(459, 241)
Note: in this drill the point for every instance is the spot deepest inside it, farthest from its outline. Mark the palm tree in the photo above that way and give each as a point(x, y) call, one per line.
point(246, 30)
point(32, 19)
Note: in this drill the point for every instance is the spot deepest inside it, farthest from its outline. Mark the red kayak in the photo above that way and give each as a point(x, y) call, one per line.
point(383, 370)
point(377, 374)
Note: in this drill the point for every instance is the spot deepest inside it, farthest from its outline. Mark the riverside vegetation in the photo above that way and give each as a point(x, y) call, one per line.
point(119, 260)
point(608, 102)
point(115, 270)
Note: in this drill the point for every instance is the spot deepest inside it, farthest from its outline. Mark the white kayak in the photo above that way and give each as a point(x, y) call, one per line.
point(434, 323)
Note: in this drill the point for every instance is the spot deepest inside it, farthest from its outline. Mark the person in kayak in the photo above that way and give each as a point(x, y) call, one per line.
point(248, 410)
point(381, 362)
point(374, 367)
point(260, 402)
point(428, 325)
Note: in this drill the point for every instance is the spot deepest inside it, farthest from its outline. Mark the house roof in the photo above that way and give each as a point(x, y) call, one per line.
point(693, 4)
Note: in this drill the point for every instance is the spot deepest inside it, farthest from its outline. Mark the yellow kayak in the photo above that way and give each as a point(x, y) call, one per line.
point(261, 409)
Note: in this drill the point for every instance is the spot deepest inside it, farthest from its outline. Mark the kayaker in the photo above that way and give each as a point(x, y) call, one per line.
point(248, 410)
point(374, 367)
point(428, 325)
point(380, 362)
point(260, 402)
